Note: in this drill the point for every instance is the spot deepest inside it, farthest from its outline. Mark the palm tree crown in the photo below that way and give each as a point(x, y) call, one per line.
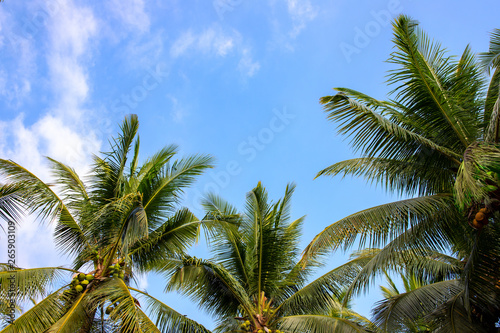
point(436, 141)
point(255, 282)
point(123, 221)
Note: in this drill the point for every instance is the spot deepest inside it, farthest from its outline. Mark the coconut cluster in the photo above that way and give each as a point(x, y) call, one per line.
point(247, 326)
point(117, 271)
point(481, 218)
point(80, 282)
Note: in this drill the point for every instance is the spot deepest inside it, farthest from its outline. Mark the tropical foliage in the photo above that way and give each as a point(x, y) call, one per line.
point(435, 141)
point(122, 222)
point(255, 282)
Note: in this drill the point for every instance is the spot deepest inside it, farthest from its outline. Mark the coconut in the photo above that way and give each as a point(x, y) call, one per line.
point(79, 288)
point(89, 277)
point(81, 276)
point(121, 275)
point(484, 210)
point(476, 224)
point(85, 282)
point(480, 216)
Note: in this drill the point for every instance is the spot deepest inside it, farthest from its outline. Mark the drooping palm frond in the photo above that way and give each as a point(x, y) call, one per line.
point(30, 282)
point(375, 134)
point(380, 224)
point(169, 240)
point(321, 324)
point(11, 203)
point(313, 296)
point(167, 319)
point(491, 59)
point(412, 176)
point(75, 317)
point(477, 178)
point(392, 313)
point(162, 192)
point(41, 199)
point(211, 285)
point(41, 316)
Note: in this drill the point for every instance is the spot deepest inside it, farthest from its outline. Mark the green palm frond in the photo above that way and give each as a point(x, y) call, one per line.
point(172, 238)
point(380, 224)
point(491, 59)
point(169, 320)
point(71, 186)
point(30, 282)
point(211, 285)
point(423, 80)
point(412, 176)
point(477, 176)
point(313, 296)
point(11, 202)
point(320, 324)
point(39, 198)
point(373, 133)
point(391, 313)
point(163, 191)
point(41, 316)
point(75, 317)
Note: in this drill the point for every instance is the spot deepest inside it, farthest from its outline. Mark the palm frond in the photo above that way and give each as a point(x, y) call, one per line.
point(380, 224)
point(167, 319)
point(41, 316)
point(211, 285)
point(320, 324)
point(411, 176)
point(391, 313)
point(30, 282)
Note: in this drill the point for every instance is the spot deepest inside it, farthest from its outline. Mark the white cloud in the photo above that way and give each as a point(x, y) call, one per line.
point(132, 13)
point(178, 112)
point(71, 33)
point(18, 48)
point(247, 66)
point(64, 131)
point(301, 12)
point(212, 41)
point(216, 42)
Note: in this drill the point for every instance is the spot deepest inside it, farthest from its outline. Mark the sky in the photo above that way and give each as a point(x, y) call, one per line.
point(237, 79)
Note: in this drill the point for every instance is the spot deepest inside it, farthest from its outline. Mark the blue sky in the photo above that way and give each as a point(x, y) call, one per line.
point(237, 79)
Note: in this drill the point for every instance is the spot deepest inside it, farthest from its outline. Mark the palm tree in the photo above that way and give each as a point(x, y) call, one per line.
point(255, 282)
point(434, 141)
point(123, 221)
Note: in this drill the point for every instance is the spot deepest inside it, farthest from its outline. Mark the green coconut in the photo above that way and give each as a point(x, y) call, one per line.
point(85, 282)
point(121, 275)
point(89, 277)
point(81, 276)
point(79, 288)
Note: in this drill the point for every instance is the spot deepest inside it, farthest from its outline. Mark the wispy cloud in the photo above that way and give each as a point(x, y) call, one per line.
point(132, 13)
point(19, 51)
point(178, 112)
point(64, 130)
point(212, 41)
point(247, 65)
point(301, 12)
point(216, 42)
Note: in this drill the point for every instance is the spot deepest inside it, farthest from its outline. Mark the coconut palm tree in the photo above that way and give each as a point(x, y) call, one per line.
point(435, 141)
point(122, 222)
point(255, 282)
